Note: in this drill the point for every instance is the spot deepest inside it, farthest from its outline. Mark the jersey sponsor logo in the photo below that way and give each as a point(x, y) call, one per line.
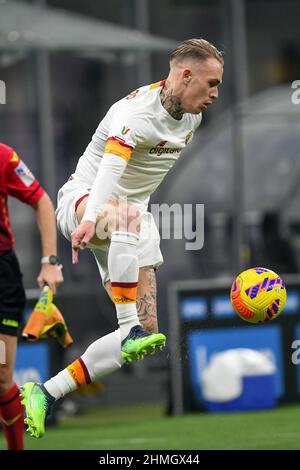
point(125, 130)
point(24, 174)
point(160, 149)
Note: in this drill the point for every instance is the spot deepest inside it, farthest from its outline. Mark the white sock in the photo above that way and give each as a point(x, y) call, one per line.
point(101, 358)
point(61, 384)
point(124, 272)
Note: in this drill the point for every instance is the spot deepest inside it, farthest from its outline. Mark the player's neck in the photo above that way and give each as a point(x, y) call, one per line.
point(171, 102)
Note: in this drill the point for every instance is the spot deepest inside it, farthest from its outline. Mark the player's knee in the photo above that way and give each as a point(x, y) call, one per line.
point(5, 379)
point(129, 219)
point(134, 219)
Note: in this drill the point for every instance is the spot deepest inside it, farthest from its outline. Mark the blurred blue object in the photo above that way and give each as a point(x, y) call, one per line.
point(258, 393)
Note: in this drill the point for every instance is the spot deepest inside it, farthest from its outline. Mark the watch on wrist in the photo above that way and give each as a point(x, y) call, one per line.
point(52, 259)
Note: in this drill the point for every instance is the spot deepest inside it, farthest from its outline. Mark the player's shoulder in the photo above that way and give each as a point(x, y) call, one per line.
point(144, 91)
point(6, 152)
point(7, 156)
point(140, 98)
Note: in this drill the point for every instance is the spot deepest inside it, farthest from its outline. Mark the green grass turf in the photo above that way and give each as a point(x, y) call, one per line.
point(145, 427)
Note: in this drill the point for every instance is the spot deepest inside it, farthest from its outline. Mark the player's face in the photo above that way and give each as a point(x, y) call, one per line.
point(201, 85)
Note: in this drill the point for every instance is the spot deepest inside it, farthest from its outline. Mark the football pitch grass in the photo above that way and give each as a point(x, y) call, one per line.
point(145, 427)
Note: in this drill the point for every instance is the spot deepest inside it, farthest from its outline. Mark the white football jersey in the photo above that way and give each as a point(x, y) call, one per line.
point(140, 130)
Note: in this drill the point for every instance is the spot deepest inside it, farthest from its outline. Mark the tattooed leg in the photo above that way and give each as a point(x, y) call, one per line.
point(146, 299)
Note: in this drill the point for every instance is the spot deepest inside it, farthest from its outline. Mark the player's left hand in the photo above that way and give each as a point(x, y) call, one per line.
point(51, 275)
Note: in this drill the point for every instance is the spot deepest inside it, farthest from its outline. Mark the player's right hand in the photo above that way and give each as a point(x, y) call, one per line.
point(81, 237)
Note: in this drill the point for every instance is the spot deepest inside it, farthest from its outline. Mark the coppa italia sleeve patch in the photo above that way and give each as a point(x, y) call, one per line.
point(24, 174)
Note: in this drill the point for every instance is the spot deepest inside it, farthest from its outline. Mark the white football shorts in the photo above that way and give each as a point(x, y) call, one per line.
point(148, 248)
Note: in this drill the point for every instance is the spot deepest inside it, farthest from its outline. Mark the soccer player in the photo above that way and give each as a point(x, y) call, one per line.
point(133, 148)
point(16, 180)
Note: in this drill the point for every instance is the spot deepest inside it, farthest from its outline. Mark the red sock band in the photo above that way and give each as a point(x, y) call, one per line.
point(12, 418)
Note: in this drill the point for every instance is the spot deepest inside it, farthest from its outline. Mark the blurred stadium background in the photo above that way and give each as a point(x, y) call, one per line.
point(64, 63)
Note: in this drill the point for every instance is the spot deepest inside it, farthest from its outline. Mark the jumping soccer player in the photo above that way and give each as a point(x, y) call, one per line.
point(133, 148)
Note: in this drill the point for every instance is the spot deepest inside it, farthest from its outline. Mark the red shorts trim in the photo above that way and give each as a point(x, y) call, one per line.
point(79, 200)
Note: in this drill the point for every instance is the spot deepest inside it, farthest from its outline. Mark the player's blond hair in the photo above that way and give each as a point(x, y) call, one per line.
point(198, 49)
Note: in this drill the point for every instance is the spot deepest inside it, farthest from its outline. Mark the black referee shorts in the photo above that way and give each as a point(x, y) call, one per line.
point(12, 294)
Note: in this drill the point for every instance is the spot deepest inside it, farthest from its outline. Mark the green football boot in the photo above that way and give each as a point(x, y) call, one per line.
point(38, 403)
point(139, 342)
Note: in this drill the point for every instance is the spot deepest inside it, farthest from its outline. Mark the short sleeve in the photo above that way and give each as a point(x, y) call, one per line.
point(21, 183)
point(125, 133)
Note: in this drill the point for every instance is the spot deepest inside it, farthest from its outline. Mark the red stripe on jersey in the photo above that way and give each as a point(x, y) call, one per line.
point(120, 141)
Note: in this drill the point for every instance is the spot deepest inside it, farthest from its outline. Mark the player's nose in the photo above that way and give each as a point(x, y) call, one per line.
point(214, 93)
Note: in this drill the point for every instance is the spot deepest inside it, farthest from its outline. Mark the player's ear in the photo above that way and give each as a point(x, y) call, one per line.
point(187, 75)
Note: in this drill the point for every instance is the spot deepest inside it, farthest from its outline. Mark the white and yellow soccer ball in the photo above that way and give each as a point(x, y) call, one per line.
point(258, 295)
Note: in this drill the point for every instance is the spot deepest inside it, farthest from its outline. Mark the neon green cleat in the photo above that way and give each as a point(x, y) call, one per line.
point(37, 405)
point(139, 342)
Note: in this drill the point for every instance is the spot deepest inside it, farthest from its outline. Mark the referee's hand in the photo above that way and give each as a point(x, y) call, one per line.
point(81, 237)
point(50, 275)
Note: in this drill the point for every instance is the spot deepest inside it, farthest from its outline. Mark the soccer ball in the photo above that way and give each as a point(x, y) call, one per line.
point(258, 295)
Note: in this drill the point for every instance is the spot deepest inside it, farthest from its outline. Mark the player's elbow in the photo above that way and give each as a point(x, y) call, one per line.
point(43, 202)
